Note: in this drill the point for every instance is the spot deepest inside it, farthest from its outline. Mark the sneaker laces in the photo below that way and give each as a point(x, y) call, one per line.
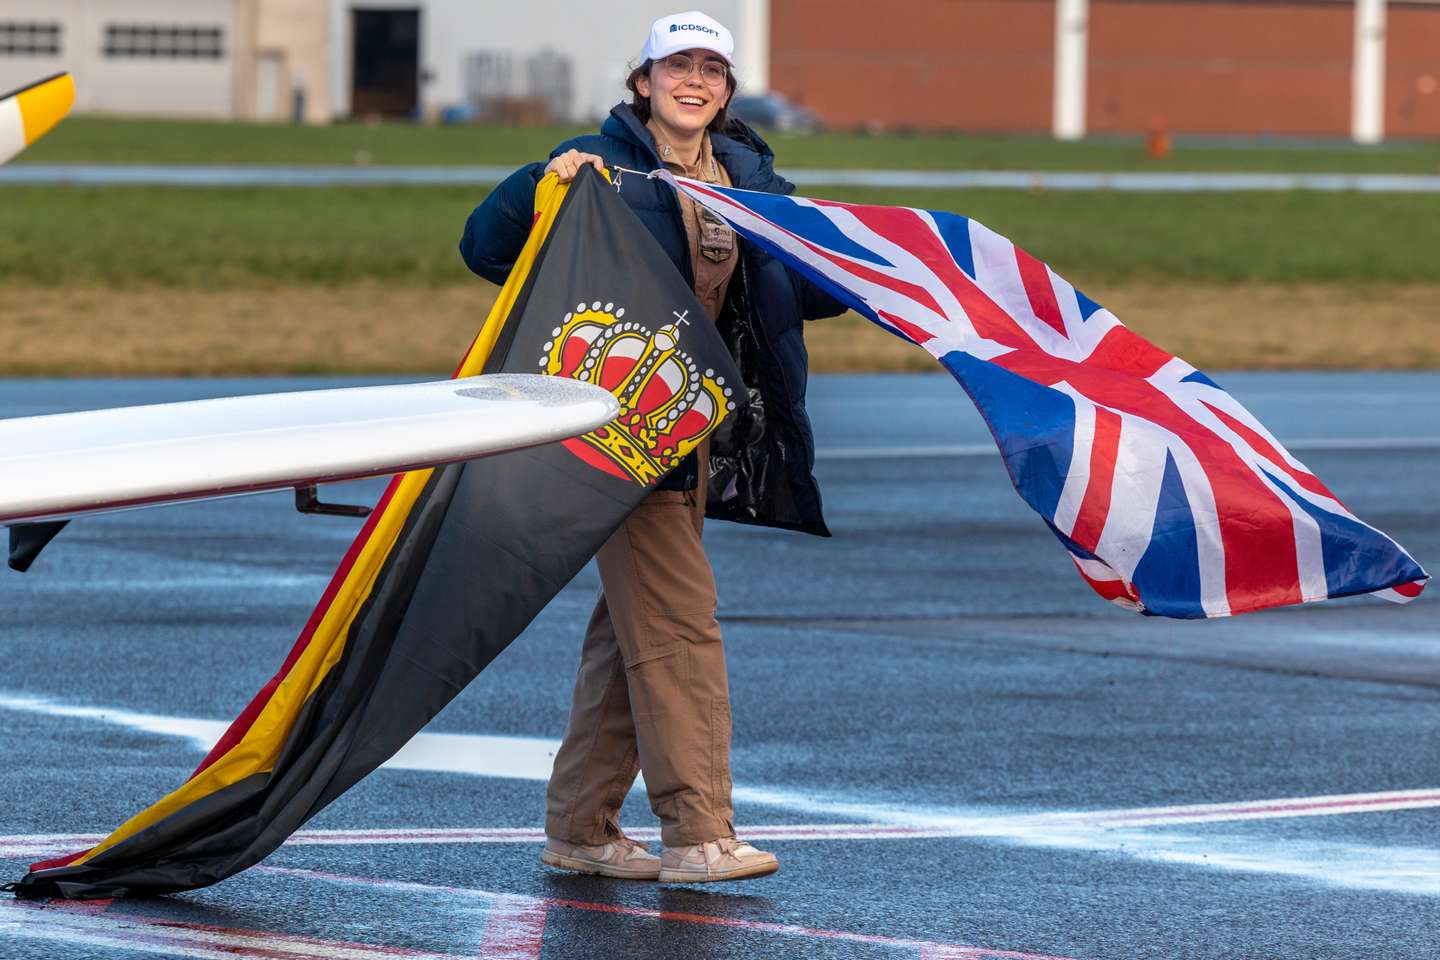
point(734, 846)
point(629, 843)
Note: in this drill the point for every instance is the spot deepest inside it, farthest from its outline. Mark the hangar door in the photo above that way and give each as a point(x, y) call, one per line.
point(385, 69)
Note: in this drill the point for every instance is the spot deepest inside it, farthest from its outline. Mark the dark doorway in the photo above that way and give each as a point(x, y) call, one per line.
point(385, 71)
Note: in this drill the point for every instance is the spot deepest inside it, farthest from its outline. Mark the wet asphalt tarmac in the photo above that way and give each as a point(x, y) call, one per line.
point(935, 678)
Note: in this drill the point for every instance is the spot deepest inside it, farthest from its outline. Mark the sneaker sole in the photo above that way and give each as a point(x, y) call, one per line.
point(739, 873)
point(595, 869)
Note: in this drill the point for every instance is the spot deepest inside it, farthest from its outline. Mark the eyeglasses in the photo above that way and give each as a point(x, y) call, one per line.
point(679, 67)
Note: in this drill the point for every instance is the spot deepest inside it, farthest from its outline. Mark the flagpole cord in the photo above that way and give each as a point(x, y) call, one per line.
point(621, 171)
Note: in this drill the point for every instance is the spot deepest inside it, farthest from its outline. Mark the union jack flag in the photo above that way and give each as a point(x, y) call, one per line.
point(1171, 497)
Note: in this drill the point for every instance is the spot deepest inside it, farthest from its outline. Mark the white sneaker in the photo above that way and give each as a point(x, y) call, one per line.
point(624, 858)
point(723, 859)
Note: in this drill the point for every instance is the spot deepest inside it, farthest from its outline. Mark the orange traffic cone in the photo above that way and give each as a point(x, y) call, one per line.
point(1157, 143)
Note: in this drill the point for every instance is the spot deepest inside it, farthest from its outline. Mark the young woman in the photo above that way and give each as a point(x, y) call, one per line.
point(652, 692)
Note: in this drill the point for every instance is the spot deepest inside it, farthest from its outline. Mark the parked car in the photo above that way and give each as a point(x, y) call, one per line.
point(774, 112)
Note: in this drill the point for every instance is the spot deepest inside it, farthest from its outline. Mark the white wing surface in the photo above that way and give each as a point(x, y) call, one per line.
point(71, 464)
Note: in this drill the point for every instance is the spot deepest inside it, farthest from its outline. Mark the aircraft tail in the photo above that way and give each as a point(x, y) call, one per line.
point(29, 113)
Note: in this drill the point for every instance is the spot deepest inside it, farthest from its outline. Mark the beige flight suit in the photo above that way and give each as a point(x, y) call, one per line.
point(652, 692)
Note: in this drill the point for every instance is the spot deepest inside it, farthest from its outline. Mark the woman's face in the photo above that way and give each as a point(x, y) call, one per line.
point(688, 103)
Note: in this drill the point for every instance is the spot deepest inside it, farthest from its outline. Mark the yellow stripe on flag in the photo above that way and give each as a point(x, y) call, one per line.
point(258, 750)
point(549, 192)
point(260, 747)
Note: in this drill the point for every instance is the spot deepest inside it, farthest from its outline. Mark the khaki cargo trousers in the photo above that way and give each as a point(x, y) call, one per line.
point(652, 692)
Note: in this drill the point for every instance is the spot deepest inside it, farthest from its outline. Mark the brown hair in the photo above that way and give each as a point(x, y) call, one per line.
point(641, 104)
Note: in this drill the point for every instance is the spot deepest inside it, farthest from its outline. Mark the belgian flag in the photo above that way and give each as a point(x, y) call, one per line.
point(454, 561)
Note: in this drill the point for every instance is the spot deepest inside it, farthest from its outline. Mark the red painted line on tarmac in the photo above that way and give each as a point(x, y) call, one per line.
point(756, 926)
point(79, 924)
point(1296, 808)
point(515, 929)
point(90, 923)
point(83, 906)
point(21, 846)
point(945, 953)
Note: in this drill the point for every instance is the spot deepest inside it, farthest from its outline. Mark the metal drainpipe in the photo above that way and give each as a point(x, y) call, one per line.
point(1367, 105)
point(1072, 26)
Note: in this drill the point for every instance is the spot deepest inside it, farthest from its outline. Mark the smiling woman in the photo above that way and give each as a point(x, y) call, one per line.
point(652, 691)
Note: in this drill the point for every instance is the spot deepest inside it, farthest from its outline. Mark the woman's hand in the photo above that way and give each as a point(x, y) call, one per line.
point(569, 163)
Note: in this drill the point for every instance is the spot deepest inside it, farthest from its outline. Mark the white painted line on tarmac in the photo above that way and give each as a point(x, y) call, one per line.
point(515, 928)
point(1411, 870)
point(133, 933)
point(521, 758)
point(531, 758)
point(255, 580)
point(894, 823)
point(916, 452)
point(945, 451)
point(927, 948)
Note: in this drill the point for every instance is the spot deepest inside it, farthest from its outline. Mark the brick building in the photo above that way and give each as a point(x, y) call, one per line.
point(1284, 67)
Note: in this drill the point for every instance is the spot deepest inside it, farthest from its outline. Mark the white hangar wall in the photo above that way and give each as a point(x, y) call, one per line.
point(170, 57)
point(599, 41)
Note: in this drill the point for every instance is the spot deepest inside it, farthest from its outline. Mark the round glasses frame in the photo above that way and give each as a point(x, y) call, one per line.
point(679, 66)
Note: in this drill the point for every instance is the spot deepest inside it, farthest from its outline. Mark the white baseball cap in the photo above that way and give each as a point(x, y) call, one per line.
point(688, 31)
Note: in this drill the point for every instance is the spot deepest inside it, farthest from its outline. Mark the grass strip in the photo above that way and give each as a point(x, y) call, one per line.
point(115, 140)
point(127, 237)
point(396, 328)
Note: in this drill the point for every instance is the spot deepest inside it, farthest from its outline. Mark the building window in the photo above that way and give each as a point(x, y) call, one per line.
point(30, 39)
point(164, 42)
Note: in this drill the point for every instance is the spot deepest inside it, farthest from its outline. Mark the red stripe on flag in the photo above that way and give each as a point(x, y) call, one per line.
point(64, 861)
point(1036, 278)
point(1125, 350)
point(1412, 589)
point(904, 227)
point(242, 723)
point(1307, 480)
point(1095, 507)
point(1259, 571)
point(914, 292)
point(909, 329)
point(1112, 590)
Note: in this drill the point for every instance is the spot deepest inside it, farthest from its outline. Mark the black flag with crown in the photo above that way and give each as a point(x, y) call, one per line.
point(455, 561)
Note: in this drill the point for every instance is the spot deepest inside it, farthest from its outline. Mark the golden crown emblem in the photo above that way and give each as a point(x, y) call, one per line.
point(667, 403)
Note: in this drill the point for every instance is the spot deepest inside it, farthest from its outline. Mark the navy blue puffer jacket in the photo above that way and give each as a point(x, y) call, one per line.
point(763, 473)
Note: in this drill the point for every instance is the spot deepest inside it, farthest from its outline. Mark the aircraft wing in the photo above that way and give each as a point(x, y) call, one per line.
point(27, 114)
point(73, 464)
